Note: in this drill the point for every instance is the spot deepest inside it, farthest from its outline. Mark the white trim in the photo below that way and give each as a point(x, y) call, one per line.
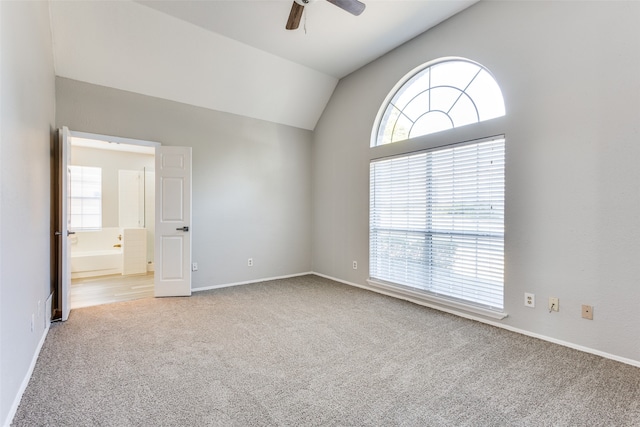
point(427, 300)
point(578, 347)
point(228, 285)
point(462, 309)
point(115, 139)
point(27, 378)
point(563, 343)
point(470, 134)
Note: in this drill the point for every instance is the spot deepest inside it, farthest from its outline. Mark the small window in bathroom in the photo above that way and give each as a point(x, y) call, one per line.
point(85, 198)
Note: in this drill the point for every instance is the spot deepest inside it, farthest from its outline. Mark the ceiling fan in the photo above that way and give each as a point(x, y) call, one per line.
point(354, 7)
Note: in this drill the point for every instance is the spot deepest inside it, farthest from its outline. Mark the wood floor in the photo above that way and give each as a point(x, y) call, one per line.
point(107, 289)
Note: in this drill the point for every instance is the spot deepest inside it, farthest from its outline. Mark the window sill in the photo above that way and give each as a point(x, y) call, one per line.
point(439, 303)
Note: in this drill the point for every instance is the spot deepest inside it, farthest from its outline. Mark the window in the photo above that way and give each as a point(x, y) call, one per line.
point(436, 218)
point(445, 95)
point(85, 198)
point(437, 222)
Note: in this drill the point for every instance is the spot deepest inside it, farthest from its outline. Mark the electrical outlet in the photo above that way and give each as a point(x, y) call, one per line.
point(587, 312)
point(554, 304)
point(355, 265)
point(194, 266)
point(250, 262)
point(529, 300)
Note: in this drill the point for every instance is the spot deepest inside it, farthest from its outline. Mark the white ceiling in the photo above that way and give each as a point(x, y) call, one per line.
point(335, 42)
point(233, 56)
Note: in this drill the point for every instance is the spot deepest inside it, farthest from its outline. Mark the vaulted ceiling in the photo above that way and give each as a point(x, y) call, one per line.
point(233, 56)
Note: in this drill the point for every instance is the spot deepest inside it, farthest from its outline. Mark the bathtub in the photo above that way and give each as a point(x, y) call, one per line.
point(93, 253)
point(96, 263)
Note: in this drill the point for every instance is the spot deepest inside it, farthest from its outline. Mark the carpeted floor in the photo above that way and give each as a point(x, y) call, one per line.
point(313, 352)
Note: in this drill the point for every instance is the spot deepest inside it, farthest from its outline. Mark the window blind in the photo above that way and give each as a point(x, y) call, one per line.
point(437, 221)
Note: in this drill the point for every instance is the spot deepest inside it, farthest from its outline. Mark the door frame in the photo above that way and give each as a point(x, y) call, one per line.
point(63, 284)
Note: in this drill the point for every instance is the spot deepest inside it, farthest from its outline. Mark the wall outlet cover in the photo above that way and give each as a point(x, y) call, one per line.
point(587, 312)
point(529, 300)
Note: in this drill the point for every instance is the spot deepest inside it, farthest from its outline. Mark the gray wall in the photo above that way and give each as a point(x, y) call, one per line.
point(251, 178)
point(569, 74)
point(26, 121)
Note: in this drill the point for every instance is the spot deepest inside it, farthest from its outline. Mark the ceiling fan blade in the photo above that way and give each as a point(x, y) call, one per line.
point(354, 7)
point(294, 16)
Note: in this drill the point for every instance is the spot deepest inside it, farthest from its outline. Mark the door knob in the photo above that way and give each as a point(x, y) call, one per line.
point(185, 228)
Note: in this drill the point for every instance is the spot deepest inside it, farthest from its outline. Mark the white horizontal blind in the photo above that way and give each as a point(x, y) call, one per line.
point(437, 222)
point(85, 198)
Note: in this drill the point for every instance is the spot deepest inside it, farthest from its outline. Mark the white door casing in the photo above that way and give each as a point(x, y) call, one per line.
point(64, 262)
point(173, 222)
point(64, 193)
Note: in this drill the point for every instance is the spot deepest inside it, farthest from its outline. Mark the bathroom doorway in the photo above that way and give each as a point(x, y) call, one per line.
point(112, 216)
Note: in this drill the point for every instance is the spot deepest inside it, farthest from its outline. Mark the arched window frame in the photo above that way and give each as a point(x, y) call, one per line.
point(375, 134)
point(478, 133)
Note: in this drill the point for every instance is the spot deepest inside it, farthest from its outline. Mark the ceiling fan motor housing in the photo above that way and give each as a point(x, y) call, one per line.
point(354, 7)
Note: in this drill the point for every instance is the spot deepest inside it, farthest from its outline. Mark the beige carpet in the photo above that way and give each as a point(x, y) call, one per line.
point(310, 351)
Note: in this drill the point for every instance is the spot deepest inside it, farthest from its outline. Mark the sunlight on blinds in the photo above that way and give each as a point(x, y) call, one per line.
point(437, 221)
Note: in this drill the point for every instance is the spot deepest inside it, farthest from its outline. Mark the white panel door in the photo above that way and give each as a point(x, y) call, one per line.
point(173, 221)
point(64, 256)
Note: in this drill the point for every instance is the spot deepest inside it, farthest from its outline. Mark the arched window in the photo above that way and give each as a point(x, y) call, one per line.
point(444, 95)
point(436, 216)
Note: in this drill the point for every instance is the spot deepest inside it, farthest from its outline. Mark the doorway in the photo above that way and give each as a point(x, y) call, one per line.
point(171, 259)
point(111, 213)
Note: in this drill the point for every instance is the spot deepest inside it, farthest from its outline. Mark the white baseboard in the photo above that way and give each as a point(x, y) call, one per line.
point(228, 285)
point(420, 298)
point(25, 381)
point(492, 323)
